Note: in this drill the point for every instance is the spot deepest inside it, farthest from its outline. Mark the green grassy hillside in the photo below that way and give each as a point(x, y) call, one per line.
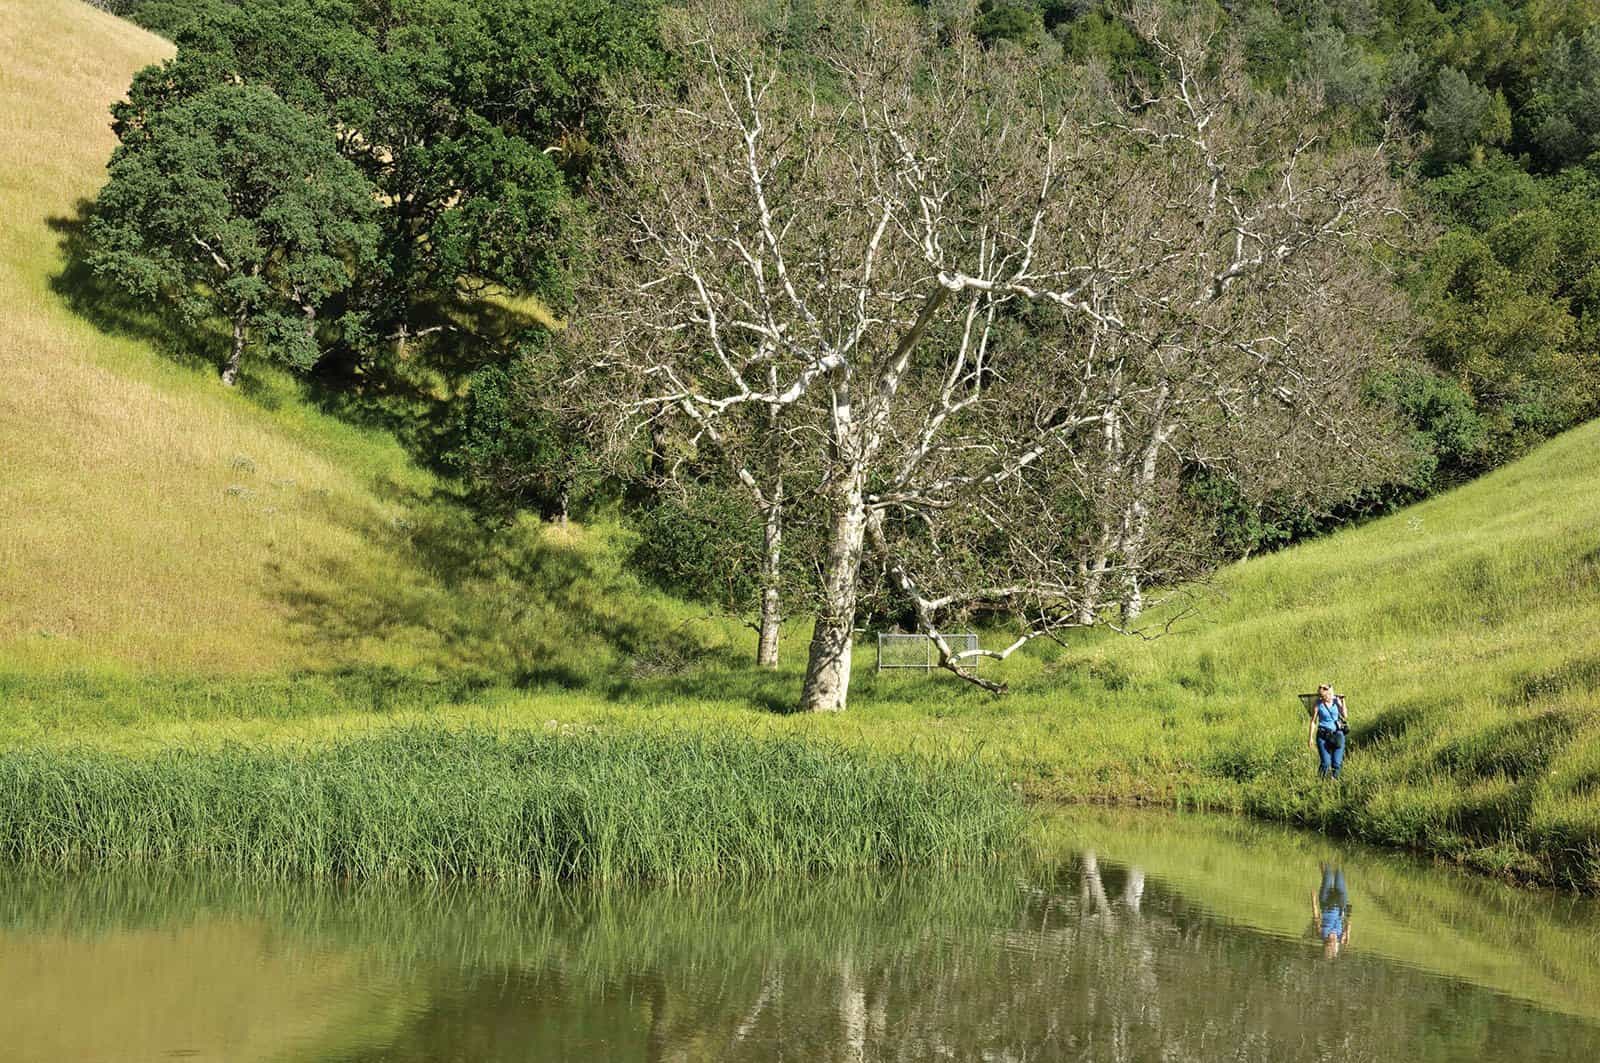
point(1463, 632)
point(184, 565)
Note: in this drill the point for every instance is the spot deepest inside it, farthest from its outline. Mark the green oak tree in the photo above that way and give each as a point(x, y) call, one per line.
point(234, 204)
point(477, 121)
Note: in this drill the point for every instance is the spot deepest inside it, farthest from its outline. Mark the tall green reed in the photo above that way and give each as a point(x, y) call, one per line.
point(431, 803)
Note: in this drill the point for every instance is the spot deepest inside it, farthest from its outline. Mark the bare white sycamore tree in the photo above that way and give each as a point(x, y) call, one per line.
point(989, 308)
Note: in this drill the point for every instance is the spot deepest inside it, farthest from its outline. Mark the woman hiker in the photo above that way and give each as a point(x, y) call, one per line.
point(1328, 727)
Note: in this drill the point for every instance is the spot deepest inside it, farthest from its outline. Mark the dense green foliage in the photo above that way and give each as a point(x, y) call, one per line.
point(479, 123)
point(235, 205)
point(703, 545)
point(515, 445)
point(435, 803)
point(1510, 300)
point(476, 123)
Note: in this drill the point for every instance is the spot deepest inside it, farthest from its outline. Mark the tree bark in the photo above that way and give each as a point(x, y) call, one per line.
point(1131, 604)
point(1134, 543)
point(230, 371)
point(1094, 574)
point(1132, 601)
point(827, 683)
point(771, 559)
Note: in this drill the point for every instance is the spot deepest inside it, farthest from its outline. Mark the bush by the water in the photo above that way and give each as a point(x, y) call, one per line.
point(431, 803)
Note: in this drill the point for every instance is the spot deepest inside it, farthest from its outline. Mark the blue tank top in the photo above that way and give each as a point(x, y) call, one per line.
point(1328, 715)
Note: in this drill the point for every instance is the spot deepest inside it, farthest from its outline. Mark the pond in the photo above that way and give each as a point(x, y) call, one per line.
point(1124, 937)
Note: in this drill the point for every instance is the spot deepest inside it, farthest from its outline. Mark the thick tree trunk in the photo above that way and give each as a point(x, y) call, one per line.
point(1133, 549)
point(771, 560)
point(1132, 601)
point(1136, 540)
point(827, 685)
point(230, 370)
point(1132, 597)
point(771, 626)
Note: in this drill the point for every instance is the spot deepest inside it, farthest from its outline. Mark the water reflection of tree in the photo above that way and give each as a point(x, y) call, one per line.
point(1092, 962)
point(1085, 959)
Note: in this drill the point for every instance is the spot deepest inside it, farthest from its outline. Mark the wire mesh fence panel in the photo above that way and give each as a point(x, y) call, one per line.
point(919, 651)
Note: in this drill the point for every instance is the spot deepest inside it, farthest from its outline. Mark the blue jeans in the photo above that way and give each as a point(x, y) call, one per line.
point(1334, 901)
point(1330, 752)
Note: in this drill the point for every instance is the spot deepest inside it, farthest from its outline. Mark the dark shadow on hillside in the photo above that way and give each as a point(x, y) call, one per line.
point(1386, 726)
point(734, 677)
point(409, 390)
point(116, 313)
point(402, 396)
point(509, 605)
point(1576, 674)
point(1515, 750)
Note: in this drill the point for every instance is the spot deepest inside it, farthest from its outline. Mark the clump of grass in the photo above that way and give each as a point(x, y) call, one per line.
point(429, 803)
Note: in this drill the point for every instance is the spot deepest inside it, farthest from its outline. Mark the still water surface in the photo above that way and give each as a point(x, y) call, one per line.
point(1126, 938)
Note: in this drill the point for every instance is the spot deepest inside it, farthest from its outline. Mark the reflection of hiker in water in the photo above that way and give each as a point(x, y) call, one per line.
point(1328, 728)
point(1330, 912)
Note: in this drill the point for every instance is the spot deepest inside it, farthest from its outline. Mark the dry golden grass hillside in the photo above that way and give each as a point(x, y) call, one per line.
point(152, 520)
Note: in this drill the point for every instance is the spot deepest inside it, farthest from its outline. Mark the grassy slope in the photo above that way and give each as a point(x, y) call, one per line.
point(152, 522)
point(146, 603)
point(1462, 631)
